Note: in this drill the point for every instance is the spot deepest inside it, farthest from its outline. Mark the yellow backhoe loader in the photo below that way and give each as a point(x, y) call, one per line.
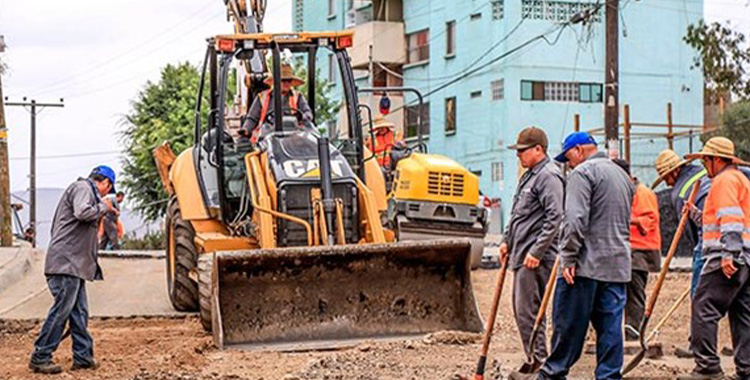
point(279, 242)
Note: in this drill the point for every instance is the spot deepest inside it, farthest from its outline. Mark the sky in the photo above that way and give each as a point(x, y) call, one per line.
point(97, 55)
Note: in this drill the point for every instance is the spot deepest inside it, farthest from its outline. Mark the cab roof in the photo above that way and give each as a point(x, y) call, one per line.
point(340, 39)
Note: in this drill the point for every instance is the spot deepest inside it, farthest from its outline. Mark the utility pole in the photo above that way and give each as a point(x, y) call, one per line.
point(611, 75)
point(32, 161)
point(6, 231)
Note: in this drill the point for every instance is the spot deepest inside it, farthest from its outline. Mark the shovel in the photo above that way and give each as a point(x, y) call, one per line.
point(662, 276)
point(481, 364)
point(532, 365)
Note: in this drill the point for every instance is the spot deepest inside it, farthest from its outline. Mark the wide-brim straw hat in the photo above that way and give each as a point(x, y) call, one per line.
point(288, 74)
point(381, 122)
point(718, 147)
point(666, 162)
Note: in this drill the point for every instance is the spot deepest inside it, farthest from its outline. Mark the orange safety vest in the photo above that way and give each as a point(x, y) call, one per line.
point(726, 214)
point(384, 142)
point(265, 98)
point(265, 101)
point(646, 211)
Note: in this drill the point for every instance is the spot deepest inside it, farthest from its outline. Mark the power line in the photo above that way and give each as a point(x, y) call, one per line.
point(88, 154)
point(135, 47)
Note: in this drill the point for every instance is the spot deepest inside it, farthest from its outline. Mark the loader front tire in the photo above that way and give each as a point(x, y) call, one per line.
point(205, 263)
point(182, 258)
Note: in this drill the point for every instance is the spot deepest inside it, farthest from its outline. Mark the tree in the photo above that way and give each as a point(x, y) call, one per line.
point(326, 108)
point(735, 125)
point(724, 57)
point(162, 111)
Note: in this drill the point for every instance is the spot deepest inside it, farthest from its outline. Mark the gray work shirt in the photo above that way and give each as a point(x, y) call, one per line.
point(596, 232)
point(74, 242)
point(537, 213)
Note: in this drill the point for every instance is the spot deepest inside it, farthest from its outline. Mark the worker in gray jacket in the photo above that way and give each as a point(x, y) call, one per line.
point(72, 260)
point(596, 262)
point(531, 238)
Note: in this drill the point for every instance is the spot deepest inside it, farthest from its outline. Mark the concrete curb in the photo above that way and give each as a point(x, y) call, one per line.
point(14, 268)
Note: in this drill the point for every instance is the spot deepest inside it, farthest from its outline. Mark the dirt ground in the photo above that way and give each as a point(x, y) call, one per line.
point(177, 348)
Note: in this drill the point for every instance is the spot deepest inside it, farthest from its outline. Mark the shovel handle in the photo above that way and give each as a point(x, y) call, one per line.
point(547, 293)
point(666, 317)
point(670, 253)
point(495, 304)
point(482, 363)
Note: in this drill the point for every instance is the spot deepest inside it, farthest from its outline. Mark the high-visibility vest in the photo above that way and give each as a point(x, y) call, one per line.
point(646, 211)
point(265, 101)
point(726, 214)
point(265, 98)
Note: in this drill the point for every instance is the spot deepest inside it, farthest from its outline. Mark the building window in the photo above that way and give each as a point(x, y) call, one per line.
point(498, 89)
point(450, 116)
point(590, 93)
point(332, 65)
point(450, 39)
point(411, 113)
point(475, 16)
point(476, 94)
point(532, 90)
point(299, 12)
point(497, 171)
point(331, 8)
point(418, 46)
point(555, 11)
point(498, 9)
point(561, 91)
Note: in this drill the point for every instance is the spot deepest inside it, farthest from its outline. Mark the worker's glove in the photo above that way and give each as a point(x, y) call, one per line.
point(694, 213)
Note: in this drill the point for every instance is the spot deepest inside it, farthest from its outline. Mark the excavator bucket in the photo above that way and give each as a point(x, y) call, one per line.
point(302, 298)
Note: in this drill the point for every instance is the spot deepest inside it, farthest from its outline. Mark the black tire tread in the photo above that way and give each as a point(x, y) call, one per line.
point(205, 263)
point(184, 291)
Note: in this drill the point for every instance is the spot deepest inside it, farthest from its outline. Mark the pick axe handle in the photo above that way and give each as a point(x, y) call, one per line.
point(479, 374)
point(670, 254)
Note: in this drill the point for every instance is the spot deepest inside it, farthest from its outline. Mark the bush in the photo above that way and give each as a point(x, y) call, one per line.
point(149, 242)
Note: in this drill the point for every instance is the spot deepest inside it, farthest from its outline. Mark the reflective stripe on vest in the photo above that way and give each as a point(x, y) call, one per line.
point(265, 98)
point(690, 182)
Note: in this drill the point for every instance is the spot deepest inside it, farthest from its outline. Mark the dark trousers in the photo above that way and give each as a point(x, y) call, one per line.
point(528, 290)
point(636, 303)
point(70, 306)
point(109, 239)
point(716, 296)
point(587, 300)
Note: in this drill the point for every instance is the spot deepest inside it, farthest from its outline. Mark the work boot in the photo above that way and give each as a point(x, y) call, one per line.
point(78, 366)
point(736, 376)
point(684, 353)
point(699, 374)
point(48, 368)
point(515, 375)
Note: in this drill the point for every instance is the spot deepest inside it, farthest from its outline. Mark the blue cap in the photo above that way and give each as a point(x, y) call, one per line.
point(106, 172)
point(573, 140)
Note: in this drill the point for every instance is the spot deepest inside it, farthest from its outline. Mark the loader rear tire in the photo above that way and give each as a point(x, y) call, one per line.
point(205, 263)
point(182, 258)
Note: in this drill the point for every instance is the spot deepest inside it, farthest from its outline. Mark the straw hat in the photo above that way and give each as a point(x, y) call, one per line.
point(381, 122)
point(286, 73)
point(718, 147)
point(666, 162)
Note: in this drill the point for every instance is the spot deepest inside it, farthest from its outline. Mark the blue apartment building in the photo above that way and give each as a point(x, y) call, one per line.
point(481, 91)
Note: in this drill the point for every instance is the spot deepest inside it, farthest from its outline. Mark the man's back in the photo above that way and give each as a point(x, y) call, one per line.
point(596, 235)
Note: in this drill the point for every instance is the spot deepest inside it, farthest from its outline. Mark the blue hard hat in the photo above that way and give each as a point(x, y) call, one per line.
point(573, 140)
point(106, 172)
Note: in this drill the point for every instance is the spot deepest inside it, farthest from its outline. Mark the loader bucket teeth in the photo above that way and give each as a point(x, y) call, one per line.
point(322, 297)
